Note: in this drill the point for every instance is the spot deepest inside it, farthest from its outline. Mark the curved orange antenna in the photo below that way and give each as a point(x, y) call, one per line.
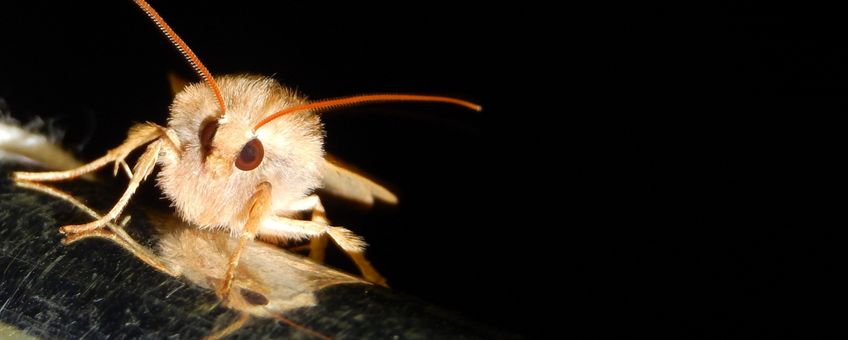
point(369, 98)
point(184, 50)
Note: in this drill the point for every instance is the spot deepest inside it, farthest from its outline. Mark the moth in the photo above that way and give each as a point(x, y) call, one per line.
point(243, 154)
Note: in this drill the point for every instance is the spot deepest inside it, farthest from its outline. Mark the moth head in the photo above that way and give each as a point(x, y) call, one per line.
point(229, 143)
point(236, 132)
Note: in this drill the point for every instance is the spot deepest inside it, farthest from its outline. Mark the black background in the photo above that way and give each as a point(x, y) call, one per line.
point(720, 175)
point(92, 69)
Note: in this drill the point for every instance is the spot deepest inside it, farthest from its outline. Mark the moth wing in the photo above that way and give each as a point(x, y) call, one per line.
point(342, 182)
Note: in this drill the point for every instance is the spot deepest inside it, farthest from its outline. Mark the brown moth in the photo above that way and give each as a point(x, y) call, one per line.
point(243, 154)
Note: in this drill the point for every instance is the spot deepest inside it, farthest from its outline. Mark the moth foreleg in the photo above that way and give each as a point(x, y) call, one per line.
point(142, 169)
point(260, 204)
point(115, 232)
point(353, 245)
point(138, 135)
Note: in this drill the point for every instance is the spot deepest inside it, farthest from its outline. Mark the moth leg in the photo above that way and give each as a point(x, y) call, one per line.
point(318, 244)
point(368, 271)
point(260, 204)
point(318, 248)
point(124, 166)
point(142, 169)
point(122, 239)
point(114, 233)
point(350, 243)
point(138, 135)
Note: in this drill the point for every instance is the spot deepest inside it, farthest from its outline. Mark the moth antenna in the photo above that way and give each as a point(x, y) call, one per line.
point(184, 50)
point(329, 104)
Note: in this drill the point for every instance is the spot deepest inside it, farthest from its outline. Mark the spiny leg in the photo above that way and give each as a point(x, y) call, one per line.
point(350, 243)
point(114, 233)
point(142, 169)
point(357, 254)
point(138, 135)
point(318, 244)
point(119, 237)
point(260, 204)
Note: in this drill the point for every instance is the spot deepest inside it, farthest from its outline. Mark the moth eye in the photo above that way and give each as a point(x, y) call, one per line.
point(207, 132)
point(250, 156)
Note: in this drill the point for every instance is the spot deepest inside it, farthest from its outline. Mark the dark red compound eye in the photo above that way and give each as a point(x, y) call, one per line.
point(250, 156)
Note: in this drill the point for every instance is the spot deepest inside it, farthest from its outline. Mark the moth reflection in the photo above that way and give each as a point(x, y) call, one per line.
point(270, 281)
